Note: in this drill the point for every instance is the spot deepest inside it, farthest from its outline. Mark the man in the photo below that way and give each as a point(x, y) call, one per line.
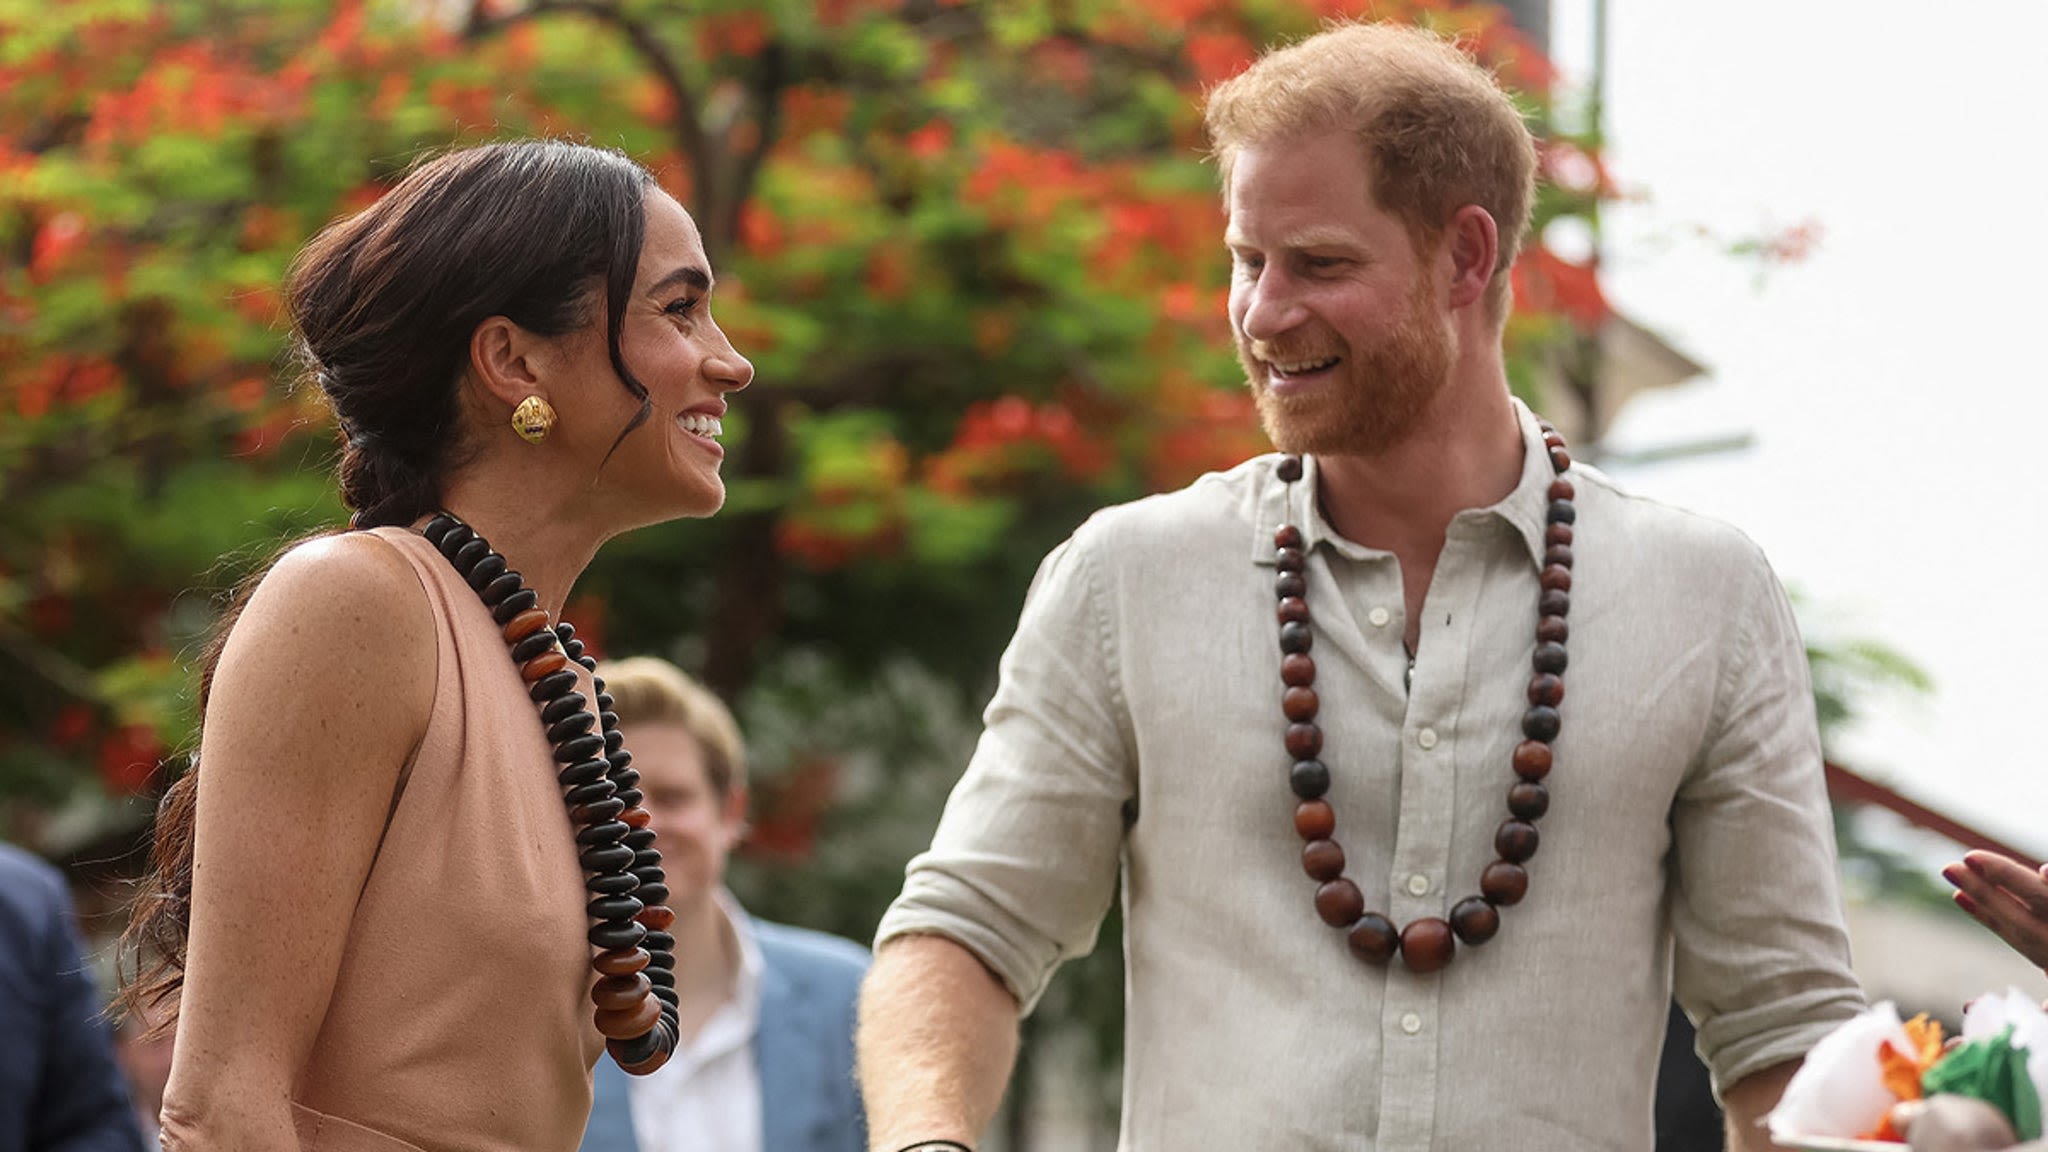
point(1377, 185)
point(59, 1086)
point(765, 1063)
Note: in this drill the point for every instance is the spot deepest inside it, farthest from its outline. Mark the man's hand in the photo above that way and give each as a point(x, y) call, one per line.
point(2007, 897)
point(1955, 1124)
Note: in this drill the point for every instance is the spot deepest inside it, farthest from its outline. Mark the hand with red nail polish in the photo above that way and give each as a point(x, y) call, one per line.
point(2007, 897)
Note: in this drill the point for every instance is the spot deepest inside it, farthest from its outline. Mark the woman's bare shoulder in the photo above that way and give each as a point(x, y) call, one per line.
point(336, 617)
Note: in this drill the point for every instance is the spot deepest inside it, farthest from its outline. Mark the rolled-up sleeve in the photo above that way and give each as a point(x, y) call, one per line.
point(1024, 863)
point(1761, 956)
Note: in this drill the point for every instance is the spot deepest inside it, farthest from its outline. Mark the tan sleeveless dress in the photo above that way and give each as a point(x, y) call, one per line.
point(460, 1017)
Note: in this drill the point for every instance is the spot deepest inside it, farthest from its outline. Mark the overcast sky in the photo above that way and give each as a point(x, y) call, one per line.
point(1893, 381)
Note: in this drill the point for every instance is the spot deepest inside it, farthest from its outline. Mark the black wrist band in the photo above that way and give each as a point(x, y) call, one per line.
point(935, 1146)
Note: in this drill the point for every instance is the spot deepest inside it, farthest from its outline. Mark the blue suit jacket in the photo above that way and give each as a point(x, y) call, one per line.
point(59, 1087)
point(803, 1051)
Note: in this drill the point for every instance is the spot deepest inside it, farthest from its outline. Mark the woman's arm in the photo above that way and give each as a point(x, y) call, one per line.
point(320, 697)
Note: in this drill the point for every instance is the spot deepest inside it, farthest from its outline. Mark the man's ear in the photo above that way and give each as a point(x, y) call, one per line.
point(506, 361)
point(1472, 245)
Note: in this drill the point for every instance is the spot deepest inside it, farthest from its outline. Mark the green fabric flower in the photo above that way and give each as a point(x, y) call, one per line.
point(1992, 1071)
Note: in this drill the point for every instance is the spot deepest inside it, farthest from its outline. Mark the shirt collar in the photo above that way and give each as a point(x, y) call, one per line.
point(1524, 509)
point(746, 984)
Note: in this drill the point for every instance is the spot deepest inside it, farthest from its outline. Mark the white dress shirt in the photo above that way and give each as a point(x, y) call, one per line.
point(708, 1095)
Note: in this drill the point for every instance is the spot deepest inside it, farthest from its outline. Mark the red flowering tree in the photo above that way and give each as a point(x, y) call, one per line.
point(971, 247)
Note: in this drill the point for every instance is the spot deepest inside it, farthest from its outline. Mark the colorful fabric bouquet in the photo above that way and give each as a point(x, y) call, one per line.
point(1851, 1079)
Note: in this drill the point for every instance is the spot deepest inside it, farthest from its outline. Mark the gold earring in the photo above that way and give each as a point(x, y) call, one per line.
point(533, 419)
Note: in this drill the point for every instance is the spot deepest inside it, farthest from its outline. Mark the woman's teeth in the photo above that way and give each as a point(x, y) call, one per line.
point(698, 424)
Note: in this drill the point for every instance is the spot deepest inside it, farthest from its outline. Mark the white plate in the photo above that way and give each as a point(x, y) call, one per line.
point(1839, 1144)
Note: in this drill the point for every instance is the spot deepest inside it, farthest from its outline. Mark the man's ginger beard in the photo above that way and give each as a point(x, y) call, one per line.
point(1381, 392)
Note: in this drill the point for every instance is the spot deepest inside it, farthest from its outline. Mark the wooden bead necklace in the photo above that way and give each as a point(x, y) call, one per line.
point(1426, 944)
point(635, 993)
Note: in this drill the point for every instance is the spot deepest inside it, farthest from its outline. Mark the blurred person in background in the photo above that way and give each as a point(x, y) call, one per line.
point(60, 1090)
point(407, 840)
point(766, 1059)
point(144, 1052)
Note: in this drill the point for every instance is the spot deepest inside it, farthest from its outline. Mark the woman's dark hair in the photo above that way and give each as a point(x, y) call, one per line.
point(383, 305)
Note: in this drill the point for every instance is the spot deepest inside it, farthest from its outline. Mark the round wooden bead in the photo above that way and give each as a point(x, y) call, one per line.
point(1304, 741)
point(638, 1055)
point(1339, 903)
point(1474, 920)
point(1290, 585)
point(439, 527)
point(1309, 779)
point(580, 773)
point(552, 685)
point(590, 793)
point(1427, 945)
point(1374, 939)
point(1287, 536)
point(1322, 860)
point(637, 817)
point(585, 747)
point(1503, 883)
point(616, 934)
point(1560, 460)
point(631, 1022)
point(1555, 577)
point(1541, 723)
point(1562, 512)
point(1552, 630)
point(1315, 820)
point(1557, 534)
point(1551, 602)
point(621, 993)
point(1289, 559)
point(1560, 554)
point(468, 556)
point(612, 883)
point(1296, 638)
point(565, 705)
point(653, 894)
point(1299, 703)
point(1561, 489)
point(1528, 801)
point(656, 917)
point(574, 724)
point(525, 624)
point(546, 664)
point(1289, 469)
point(1546, 689)
point(1515, 840)
point(1532, 760)
point(605, 833)
point(619, 962)
point(494, 593)
point(606, 858)
point(1293, 610)
point(1549, 658)
point(663, 946)
point(511, 606)
point(486, 570)
point(1297, 670)
point(603, 810)
point(535, 644)
point(454, 539)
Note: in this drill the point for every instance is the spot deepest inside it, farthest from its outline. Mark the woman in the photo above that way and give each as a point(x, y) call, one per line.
point(384, 942)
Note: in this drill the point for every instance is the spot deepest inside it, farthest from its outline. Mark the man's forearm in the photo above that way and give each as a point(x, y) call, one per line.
point(937, 1041)
point(1749, 1102)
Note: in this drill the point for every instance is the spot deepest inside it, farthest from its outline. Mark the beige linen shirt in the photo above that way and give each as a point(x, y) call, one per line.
point(1137, 727)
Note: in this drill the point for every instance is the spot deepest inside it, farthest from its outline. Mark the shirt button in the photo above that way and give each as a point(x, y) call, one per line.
point(1426, 738)
point(1418, 885)
point(1411, 1023)
point(1379, 617)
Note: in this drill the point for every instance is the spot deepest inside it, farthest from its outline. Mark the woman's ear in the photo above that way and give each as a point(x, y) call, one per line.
point(507, 361)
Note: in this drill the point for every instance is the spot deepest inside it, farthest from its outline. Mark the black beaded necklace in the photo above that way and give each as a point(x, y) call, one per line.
point(1428, 943)
point(635, 992)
